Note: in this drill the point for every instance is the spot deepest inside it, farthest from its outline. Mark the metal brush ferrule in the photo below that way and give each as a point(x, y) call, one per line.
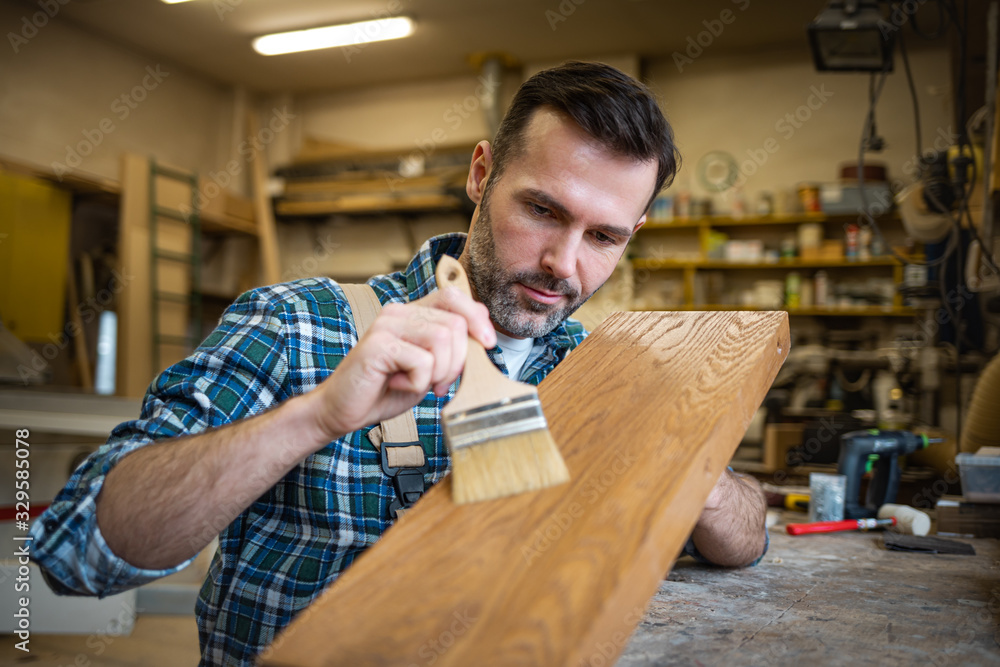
point(500, 420)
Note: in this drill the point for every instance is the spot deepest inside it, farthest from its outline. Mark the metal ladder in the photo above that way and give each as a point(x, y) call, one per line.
point(157, 254)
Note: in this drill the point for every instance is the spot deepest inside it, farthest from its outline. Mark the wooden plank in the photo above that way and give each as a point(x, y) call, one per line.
point(647, 412)
point(223, 203)
point(318, 150)
point(385, 183)
point(368, 204)
point(135, 328)
point(262, 212)
point(134, 367)
point(216, 222)
point(80, 339)
point(73, 180)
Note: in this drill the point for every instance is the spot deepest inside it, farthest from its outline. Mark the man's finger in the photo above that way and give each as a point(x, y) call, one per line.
point(405, 366)
point(444, 334)
point(476, 314)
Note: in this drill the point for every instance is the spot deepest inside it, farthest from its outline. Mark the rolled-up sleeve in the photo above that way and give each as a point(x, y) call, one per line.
point(239, 370)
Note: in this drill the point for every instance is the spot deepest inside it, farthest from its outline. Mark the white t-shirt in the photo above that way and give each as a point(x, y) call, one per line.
point(515, 353)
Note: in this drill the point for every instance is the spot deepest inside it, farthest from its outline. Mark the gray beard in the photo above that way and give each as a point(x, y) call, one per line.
point(495, 287)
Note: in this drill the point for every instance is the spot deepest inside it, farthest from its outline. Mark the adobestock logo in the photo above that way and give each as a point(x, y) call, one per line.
point(37, 21)
point(122, 107)
point(714, 28)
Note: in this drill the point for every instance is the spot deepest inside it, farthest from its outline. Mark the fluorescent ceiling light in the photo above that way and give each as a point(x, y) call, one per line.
point(174, 2)
point(347, 34)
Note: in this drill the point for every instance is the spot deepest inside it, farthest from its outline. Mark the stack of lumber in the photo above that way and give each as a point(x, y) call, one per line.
point(360, 181)
point(370, 192)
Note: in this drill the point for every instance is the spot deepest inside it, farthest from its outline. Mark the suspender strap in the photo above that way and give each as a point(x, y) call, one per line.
point(403, 458)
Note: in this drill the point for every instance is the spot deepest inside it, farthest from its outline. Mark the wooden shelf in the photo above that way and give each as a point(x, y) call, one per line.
point(76, 181)
point(651, 263)
point(368, 204)
point(220, 222)
point(850, 311)
point(725, 221)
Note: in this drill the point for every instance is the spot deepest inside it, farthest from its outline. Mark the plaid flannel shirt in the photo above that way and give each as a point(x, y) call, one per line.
point(279, 554)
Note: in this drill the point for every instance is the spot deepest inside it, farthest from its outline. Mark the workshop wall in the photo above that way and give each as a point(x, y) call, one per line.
point(730, 103)
point(785, 123)
point(423, 115)
point(63, 103)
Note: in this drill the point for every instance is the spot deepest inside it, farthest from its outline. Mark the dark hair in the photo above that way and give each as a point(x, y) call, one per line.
point(612, 107)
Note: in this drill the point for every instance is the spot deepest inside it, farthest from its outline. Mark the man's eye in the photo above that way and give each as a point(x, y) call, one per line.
point(604, 239)
point(538, 210)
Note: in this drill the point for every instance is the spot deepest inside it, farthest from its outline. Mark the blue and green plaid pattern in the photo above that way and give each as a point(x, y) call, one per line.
point(279, 554)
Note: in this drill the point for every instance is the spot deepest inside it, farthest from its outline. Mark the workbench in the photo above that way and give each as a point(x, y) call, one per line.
point(836, 599)
point(827, 599)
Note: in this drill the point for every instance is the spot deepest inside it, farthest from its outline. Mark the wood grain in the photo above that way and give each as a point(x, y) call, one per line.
point(647, 413)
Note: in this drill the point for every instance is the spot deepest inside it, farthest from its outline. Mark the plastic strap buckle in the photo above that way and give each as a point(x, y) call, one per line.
point(408, 482)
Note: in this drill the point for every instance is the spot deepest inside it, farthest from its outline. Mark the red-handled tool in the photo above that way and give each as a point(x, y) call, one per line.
point(834, 526)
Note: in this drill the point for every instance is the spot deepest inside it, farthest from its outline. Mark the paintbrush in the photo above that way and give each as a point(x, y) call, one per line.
point(494, 427)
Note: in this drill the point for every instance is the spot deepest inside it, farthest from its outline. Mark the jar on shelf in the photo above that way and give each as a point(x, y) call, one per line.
point(865, 243)
point(765, 203)
point(793, 282)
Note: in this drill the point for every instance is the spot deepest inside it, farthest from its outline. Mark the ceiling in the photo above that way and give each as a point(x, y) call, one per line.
point(213, 37)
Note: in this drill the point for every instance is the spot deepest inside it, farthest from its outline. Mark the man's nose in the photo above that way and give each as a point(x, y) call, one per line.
point(560, 256)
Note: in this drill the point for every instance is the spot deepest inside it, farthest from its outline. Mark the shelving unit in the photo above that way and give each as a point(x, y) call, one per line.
point(651, 263)
point(369, 182)
point(665, 247)
point(350, 214)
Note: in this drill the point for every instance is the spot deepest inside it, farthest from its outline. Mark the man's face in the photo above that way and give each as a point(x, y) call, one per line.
point(550, 231)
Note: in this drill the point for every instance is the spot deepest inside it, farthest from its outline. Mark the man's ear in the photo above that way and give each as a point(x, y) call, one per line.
point(639, 224)
point(479, 171)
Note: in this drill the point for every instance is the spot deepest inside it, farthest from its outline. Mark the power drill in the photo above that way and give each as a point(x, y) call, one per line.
point(878, 452)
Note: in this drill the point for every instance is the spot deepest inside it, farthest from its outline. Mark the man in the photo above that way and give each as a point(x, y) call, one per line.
point(264, 428)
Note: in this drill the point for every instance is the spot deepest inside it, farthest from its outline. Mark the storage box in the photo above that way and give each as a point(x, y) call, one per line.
point(980, 475)
point(778, 439)
point(845, 198)
point(749, 251)
point(832, 249)
point(48, 613)
point(955, 516)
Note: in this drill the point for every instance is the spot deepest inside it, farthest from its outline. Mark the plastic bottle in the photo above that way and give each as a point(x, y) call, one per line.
point(852, 242)
point(865, 244)
point(792, 283)
point(821, 289)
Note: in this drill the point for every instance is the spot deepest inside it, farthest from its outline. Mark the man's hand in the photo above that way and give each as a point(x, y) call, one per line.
point(731, 529)
point(409, 350)
point(163, 503)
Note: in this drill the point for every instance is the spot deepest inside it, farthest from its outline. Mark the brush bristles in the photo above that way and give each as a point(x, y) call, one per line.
point(506, 466)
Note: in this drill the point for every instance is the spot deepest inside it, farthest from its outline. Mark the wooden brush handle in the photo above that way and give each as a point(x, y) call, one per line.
point(478, 367)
